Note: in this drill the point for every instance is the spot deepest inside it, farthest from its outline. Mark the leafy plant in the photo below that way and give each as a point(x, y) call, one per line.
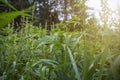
point(7, 17)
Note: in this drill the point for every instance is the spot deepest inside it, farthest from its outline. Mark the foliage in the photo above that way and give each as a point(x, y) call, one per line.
point(64, 53)
point(61, 55)
point(7, 17)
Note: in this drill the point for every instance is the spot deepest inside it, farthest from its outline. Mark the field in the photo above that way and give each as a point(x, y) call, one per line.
point(33, 54)
point(36, 45)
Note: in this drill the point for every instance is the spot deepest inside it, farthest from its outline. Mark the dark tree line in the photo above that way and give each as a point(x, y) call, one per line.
point(47, 11)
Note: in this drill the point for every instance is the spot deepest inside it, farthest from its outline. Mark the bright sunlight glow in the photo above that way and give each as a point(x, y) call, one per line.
point(113, 6)
point(96, 4)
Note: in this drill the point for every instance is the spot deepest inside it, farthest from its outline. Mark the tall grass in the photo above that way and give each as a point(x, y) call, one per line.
point(32, 54)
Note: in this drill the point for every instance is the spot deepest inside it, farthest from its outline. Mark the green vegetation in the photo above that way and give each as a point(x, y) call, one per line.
point(72, 50)
point(32, 54)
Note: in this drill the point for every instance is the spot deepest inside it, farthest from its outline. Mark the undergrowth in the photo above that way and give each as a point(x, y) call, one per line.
point(32, 54)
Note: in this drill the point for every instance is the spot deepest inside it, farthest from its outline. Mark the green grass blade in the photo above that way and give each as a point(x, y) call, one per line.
point(74, 64)
point(6, 18)
point(8, 4)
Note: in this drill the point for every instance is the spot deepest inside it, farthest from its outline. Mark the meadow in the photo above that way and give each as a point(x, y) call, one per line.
point(33, 54)
point(71, 50)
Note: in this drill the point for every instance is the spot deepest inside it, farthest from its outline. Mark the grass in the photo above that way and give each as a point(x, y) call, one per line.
point(32, 54)
point(67, 52)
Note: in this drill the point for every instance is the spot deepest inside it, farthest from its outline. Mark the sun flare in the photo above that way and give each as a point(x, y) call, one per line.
point(96, 4)
point(112, 12)
point(113, 4)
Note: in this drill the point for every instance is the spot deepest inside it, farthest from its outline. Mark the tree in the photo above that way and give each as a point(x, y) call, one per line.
point(46, 13)
point(78, 14)
point(49, 12)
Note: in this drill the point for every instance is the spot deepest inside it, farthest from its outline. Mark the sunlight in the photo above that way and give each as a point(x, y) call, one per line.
point(96, 4)
point(113, 4)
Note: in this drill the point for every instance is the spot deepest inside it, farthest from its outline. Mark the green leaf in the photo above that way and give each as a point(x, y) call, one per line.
point(74, 64)
point(47, 61)
point(6, 18)
point(8, 4)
